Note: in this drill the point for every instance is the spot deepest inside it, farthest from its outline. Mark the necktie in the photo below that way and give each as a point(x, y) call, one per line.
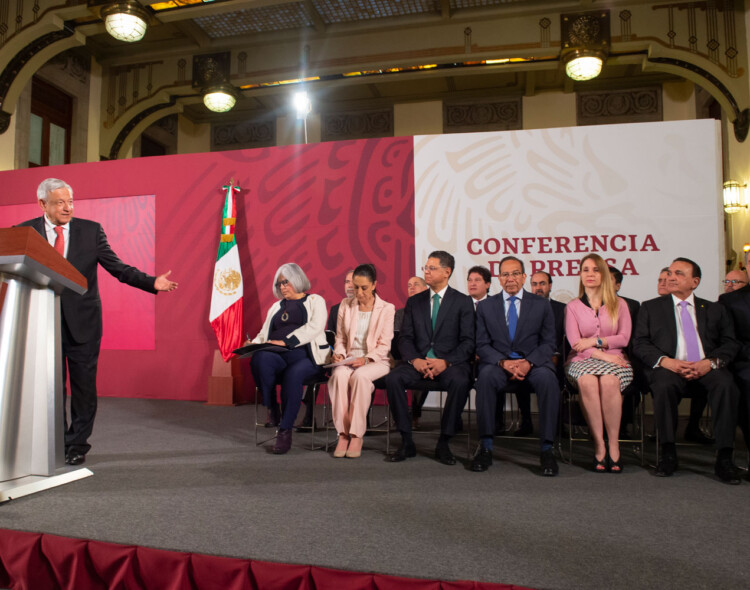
point(512, 323)
point(690, 334)
point(512, 317)
point(435, 309)
point(60, 240)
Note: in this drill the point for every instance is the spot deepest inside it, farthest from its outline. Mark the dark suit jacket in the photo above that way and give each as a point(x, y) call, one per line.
point(656, 332)
point(87, 248)
point(737, 304)
point(453, 339)
point(558, 310)
point(333, 317)
point(535, 332)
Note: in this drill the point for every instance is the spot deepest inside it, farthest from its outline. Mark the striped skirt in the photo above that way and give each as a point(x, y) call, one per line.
point(598, 367)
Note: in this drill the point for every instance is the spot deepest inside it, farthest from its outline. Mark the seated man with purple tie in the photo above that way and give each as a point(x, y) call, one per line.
point(515, 344)
point(683, 340)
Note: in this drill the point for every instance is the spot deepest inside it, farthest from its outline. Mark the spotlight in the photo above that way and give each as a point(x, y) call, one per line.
point(125, 21)
point(302, 104)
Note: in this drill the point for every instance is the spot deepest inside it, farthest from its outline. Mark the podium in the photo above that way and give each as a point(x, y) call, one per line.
point(32, 446)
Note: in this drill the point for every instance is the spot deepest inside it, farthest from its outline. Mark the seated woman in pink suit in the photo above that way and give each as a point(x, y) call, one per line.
point(598, 328)
point(364, 331)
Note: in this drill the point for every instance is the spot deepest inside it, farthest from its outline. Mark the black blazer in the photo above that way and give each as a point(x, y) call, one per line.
point(87, 248)
point(656, 332)
point(558, 310)
point(453, 340)
point(737, 304)
point(535, 332)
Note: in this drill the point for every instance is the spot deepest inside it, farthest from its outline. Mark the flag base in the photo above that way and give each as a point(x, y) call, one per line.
point(227, 385)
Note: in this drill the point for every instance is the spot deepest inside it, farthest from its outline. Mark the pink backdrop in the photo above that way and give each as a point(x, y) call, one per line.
point(129, 224)
point(326, 206)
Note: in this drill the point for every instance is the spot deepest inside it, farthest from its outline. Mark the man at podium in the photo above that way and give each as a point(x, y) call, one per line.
point(84, 244)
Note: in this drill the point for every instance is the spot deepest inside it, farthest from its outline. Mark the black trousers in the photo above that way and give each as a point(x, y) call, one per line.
point(494, 381)
point(668, 389)
point(456, 380)
point(79, 361)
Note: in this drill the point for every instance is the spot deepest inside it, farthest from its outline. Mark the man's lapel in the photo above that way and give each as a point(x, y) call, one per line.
point(702, 316)
point(670, 321)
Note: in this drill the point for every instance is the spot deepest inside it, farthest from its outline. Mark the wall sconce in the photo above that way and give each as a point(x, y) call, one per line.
point(125, 21)
point(585, 43)
point(211, 76)
point(734, 197)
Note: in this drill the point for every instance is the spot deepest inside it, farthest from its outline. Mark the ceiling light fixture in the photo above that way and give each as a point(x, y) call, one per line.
point(125, 21)
point(220, 99)
point(585, 43)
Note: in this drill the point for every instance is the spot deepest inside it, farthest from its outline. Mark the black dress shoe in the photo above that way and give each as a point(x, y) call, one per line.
point(548, 463)
point(667, 465)
point(482, 460)
point(283, 441)
point(444, 455)
point(726, 471)
point(75, 458)
point(405, 451)
point(525, 430)
point(696, 435)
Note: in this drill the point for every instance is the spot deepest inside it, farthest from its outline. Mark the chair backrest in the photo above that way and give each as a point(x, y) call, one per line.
point(331, 338)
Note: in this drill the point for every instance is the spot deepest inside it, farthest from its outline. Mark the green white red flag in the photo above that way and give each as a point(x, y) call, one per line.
point(226, 297)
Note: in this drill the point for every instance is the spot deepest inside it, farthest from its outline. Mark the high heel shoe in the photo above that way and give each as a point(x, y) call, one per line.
point(341, 446)
point(615, 466)
point(355, 448)
point(600, 465)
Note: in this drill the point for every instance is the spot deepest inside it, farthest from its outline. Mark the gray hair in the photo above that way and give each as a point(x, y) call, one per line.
point(296, 277)
point(49, 185)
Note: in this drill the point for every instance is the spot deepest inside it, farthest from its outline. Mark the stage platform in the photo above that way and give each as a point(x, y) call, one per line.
point(185, 476)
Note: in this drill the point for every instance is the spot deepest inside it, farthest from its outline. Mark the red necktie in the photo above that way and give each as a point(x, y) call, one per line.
point(60, 240)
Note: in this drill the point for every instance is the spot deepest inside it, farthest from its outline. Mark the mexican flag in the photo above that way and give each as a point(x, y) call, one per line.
point(226, 297)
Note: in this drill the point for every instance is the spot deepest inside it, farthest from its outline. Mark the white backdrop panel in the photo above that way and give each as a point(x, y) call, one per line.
point(638, 194)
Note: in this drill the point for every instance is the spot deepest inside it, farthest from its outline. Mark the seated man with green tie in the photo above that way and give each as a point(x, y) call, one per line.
point(437, 343)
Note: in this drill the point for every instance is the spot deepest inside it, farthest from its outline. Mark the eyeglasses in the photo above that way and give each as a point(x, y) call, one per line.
point(283, 283)
point(431, 268)
point(734, 282)
point(515, 274)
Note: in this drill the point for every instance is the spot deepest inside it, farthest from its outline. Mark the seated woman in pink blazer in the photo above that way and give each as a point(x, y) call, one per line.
point(598, 328)
point(364, 331)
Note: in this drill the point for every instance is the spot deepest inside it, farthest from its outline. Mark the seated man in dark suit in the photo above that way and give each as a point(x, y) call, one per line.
point(413, 286)
point(515, 342)
point(437, 343)
point(738, 304)
point(683, 340)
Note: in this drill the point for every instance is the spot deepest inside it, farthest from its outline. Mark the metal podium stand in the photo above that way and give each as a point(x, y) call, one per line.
point(32, 448)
